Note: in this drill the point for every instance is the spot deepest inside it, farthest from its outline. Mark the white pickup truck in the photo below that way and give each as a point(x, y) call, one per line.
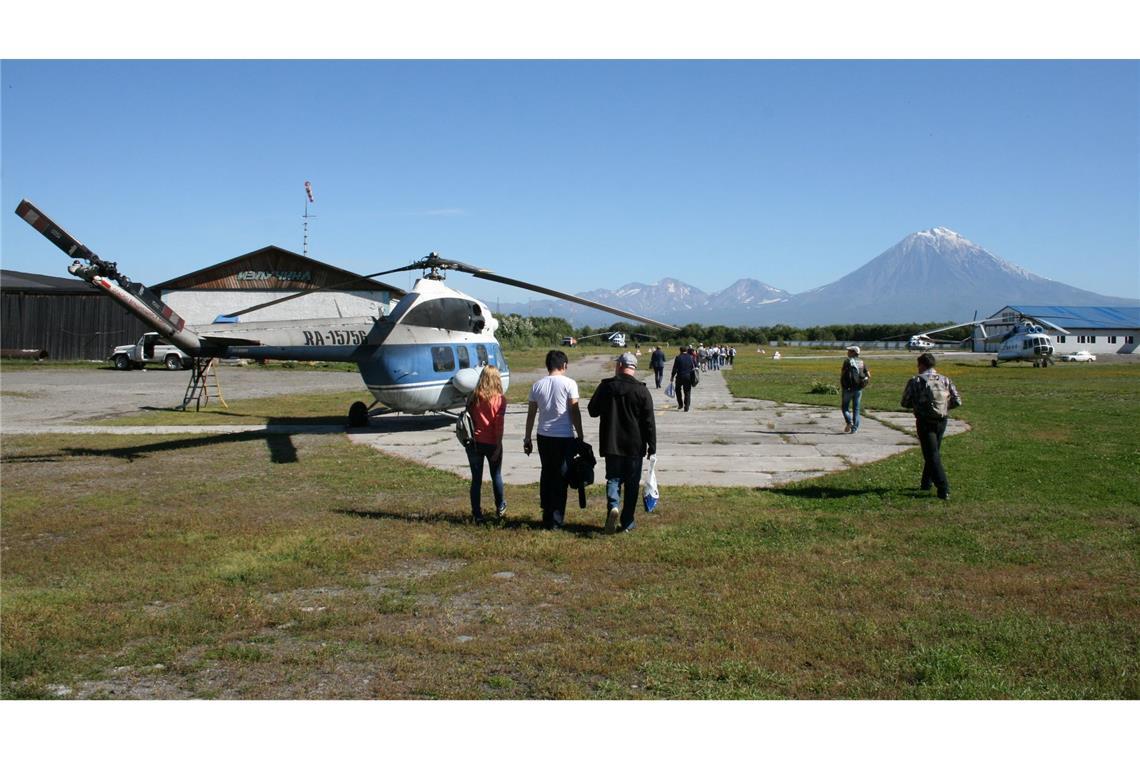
point(151, 348)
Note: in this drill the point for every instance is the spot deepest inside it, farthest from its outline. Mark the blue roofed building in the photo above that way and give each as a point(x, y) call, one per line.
point(1096, 329)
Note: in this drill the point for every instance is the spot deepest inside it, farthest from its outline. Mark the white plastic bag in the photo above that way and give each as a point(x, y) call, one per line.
point(651, 492)
point(669, 390)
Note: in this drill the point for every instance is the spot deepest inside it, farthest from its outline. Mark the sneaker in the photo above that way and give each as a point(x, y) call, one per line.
point(629, 528)
point(500, 511)
point(612, 520)
point(847, 428)
point(944, 496)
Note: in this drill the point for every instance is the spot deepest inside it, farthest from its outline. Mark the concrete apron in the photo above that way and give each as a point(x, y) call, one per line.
point(721, 441)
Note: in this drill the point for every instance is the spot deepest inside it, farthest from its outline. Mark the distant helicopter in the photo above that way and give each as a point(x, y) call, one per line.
point(426, 356)
point(1025, 341)
point(620, 339)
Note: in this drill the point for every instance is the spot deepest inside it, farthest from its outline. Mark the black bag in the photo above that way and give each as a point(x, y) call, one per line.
point(580, 473)
point(465, 428)
point(696, 377)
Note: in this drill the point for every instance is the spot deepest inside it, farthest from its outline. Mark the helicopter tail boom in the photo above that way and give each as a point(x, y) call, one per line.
point(105, 275)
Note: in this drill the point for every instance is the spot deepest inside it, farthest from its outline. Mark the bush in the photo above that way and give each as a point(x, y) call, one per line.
point(824, 388)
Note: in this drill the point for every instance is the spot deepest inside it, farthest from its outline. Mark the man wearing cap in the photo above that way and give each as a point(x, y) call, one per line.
point(627, 435)
point(853, 378)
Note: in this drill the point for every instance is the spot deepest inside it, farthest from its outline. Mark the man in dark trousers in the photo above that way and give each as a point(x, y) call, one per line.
point(931, 396)
point(627, 434)
point(682, 378)
point(657, 364)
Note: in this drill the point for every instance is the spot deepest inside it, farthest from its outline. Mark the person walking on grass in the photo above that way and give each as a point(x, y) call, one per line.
point(627, 434)
point(853, 378)
point(488, 409)
point(554, 401)
point(931, 396)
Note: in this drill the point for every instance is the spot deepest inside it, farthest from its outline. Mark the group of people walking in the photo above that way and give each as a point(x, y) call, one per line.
point(929, 395)
point(627, 434)
point(628, 431)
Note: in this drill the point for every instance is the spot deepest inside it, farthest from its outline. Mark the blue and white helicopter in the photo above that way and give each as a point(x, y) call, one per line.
point(426, 356)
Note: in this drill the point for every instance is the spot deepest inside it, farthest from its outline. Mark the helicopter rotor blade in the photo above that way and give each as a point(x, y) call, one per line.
point(335, 286)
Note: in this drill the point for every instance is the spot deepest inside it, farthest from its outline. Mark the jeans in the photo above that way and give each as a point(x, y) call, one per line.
point(555, 455)
point(657, 373)
point(623, 471)
point(930, 434)
point(683, 386)
point(475, 456)
point(853, 399)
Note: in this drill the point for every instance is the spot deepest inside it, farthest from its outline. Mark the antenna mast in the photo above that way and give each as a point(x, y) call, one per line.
point(307, 216)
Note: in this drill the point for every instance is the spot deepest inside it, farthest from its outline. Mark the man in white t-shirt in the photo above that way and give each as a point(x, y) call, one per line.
point(554, 400)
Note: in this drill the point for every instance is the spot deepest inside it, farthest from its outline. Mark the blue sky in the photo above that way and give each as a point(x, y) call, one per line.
point(578, 174)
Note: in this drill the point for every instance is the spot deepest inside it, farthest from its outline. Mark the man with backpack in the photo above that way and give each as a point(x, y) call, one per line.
point(931, 396)
point(853, 378)
point(627, 434)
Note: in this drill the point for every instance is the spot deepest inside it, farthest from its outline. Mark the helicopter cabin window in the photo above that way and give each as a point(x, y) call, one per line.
point(464, 357)
point(447, 314)
point(442, 358)
point(481, 352)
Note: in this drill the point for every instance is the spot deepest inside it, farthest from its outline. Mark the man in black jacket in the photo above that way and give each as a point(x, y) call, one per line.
point(657, 364)
point(627, 434)
point(683, 367)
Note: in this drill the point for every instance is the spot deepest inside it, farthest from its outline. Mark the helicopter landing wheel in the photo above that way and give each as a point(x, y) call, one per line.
point(993, 362)
point(1036, 364)
point(358, 415)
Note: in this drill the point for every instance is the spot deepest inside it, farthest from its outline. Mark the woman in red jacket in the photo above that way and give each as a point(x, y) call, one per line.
point(488, 410)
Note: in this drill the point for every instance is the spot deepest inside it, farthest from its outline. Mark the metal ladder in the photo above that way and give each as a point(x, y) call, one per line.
point(203, 377)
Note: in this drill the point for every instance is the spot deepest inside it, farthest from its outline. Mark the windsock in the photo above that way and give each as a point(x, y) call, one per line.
point(309, 190)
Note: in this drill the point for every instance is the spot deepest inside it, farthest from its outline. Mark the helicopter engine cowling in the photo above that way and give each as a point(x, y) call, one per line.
point(466, 379)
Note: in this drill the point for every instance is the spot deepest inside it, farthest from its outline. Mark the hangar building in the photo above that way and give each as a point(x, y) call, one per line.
point(1096, 329)
point(64, 316)
point(71, 319)
point(270, 273)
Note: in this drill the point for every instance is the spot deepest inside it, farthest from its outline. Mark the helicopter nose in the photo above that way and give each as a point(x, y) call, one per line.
point(466, 379)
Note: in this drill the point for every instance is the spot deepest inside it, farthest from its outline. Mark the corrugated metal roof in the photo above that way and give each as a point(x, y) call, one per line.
point(1089, 317)
point(27, 282)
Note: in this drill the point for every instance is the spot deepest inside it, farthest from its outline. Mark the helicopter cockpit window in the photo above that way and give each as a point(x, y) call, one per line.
point(464, 357)
point(481, 352)
point(442, 358)
point(447, 314)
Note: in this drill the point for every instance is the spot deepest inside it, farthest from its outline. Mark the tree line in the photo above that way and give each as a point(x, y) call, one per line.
point(516, 331)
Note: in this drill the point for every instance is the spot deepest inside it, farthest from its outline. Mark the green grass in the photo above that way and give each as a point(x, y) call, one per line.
point(183, 567)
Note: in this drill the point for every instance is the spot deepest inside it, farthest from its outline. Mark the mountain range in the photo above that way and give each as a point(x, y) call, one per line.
point(929, 276)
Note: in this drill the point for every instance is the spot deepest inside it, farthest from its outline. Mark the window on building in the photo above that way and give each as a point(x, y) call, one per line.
point(1112, 339)
point(1129, 338)
point(1091, 339)
point(464, 357)
point(1060, 338)
point(442, 358)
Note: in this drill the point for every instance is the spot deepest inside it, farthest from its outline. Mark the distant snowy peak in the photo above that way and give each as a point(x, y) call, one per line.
point(957, 250)
point(748, 292)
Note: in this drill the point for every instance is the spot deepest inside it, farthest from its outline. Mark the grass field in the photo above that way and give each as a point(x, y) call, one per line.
point(206, 566)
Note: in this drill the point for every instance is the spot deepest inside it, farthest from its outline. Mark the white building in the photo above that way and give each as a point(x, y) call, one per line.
point(271, 273)
point(1096, 329)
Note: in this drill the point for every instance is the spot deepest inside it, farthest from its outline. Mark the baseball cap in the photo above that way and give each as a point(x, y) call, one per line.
point(628, 359)
point(854, 348)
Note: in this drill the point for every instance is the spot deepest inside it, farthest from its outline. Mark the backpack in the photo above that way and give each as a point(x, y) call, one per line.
point(855, 374)
point(932, 401)
point(465, 428)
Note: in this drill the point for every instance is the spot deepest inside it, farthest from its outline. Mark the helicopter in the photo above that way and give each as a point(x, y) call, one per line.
point(425, 356)
point(618, 339)
point(1025, 341)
